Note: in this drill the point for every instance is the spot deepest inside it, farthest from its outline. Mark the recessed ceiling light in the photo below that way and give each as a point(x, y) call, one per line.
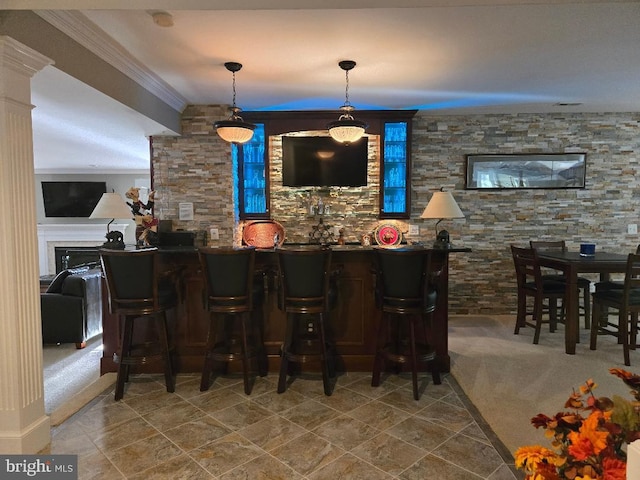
point(162, 19)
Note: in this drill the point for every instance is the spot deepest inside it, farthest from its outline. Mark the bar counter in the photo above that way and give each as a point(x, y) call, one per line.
point(353, 322)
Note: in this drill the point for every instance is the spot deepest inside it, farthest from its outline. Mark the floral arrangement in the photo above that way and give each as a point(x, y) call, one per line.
point(588, 442)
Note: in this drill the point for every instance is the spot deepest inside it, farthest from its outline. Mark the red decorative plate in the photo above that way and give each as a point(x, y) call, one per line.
point(261, 233)
point(387, 235)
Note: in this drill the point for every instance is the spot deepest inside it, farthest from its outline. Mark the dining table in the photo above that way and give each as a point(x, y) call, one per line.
point(572, 264)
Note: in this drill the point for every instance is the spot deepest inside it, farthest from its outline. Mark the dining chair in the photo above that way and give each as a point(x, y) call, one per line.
point(584, 284)
point(406, 295)
point(304, 282)
point(613, 284)
point(626, 301)
point(232, 290)
point(544, 293)
point(138, 291)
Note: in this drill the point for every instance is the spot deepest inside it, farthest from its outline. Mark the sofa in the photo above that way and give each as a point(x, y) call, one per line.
point(71, 307)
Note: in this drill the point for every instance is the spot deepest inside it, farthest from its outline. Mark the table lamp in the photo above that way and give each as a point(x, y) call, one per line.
point(442, 206)
point(111, 205)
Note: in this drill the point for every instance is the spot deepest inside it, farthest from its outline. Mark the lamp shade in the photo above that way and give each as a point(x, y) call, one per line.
point(442, 205)
point(111, 205)
point(346, 131)
point(234, 131)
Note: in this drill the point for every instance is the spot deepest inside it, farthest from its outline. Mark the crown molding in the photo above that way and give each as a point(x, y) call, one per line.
point(78, 27)
point(20, 57)
point(92, 171)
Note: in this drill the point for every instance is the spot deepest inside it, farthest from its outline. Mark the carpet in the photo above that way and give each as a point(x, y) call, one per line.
point(72, 378)
point(510, 380)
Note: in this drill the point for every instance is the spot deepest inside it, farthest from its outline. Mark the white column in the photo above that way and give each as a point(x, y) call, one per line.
point(633, 460)
point(24, 427)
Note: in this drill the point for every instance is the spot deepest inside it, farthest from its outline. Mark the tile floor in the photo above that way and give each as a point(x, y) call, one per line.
point(359, 432)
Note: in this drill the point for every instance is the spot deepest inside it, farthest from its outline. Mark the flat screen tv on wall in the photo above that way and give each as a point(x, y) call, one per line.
point(321, 161)
point(71, 199)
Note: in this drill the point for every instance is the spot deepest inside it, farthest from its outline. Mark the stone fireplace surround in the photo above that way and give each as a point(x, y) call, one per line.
point(51, 236)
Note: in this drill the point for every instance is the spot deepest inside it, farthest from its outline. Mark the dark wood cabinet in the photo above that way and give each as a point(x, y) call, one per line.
point(392, 126)
point(353, 321)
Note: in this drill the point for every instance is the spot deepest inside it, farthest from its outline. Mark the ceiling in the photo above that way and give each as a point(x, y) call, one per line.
point(441, 57)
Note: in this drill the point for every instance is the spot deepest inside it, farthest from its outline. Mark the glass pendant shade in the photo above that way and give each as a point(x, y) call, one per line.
point(235, 131)
point(346, 131)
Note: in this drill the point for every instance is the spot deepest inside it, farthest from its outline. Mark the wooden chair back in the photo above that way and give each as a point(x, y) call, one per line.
point(228, 276)
point(304, 275)
point(132, 281)
point(403, 280)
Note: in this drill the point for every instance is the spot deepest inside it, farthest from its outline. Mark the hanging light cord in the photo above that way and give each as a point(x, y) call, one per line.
point(346, 92)
point(235, 110)
point(234, 89)
point(347, 107)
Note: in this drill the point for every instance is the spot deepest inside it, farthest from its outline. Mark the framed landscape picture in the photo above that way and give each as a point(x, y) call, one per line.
point(542, 170)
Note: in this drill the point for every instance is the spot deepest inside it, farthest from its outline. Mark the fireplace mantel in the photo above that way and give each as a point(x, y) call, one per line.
point(69, 235)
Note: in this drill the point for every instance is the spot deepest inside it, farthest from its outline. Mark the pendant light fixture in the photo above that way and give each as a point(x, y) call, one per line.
point(346, 129)
point(234, 130)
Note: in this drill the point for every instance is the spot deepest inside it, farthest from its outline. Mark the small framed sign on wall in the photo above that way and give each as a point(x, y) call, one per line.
point(185, 211)
point(543, 170)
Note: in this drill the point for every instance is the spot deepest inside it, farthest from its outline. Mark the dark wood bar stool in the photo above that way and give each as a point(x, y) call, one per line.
point(304, 283)
point(232, 291)
point(407, 298)
point(139, 291)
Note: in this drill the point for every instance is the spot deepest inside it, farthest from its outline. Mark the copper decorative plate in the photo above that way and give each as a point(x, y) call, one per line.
point(387, 235)
point(261, 233)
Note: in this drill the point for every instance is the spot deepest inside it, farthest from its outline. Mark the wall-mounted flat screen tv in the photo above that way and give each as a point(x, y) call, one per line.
point(321, 161)
point(71, 199)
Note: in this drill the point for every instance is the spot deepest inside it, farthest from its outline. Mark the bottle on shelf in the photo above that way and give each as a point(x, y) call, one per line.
point(312, 206)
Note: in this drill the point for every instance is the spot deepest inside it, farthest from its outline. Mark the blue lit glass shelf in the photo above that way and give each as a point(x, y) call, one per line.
point(394, 181)
point(252, 166)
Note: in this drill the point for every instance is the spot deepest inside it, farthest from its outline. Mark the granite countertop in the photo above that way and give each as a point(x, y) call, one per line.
point(178, 249)
point(349, 247)
point(334, 246)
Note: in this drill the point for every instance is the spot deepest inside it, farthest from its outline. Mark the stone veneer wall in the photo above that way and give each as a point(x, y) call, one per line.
point(197, 167)
point(483, 281)
point(352, 208)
